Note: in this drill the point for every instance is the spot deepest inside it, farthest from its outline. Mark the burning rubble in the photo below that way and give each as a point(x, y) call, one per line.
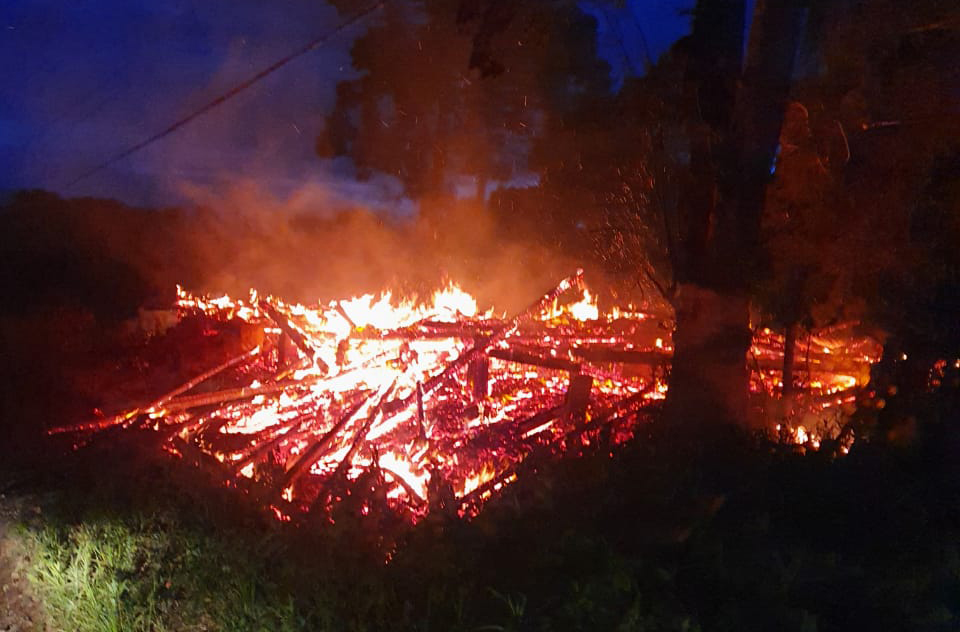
point(433, 405)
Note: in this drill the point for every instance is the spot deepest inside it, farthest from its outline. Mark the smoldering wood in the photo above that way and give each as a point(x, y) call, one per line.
point(202, 460)
point(208, 434)
point(628, 405)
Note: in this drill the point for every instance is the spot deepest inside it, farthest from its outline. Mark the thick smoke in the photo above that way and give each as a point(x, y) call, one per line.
point(309, 246)
point(114, 258)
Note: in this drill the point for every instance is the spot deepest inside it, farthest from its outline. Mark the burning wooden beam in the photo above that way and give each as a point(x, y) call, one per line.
point(295, 336)
point(361, 434)
point(546, 362)
point(505, 330)
point(233, 394)
point(310, 456)
point(158, 403)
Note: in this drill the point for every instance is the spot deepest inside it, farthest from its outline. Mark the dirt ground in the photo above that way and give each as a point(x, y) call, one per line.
point(20, 610)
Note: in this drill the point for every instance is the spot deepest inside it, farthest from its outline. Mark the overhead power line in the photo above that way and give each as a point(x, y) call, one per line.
point(237, 89)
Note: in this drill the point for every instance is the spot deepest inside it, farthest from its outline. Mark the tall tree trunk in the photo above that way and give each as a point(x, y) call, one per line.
point(733, 145)
point(709, 379)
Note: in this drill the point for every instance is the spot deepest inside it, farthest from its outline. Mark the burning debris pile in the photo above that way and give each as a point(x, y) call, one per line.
point(432, 406)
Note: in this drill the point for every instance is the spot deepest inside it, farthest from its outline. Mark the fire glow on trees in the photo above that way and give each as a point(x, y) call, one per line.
point(436, 403)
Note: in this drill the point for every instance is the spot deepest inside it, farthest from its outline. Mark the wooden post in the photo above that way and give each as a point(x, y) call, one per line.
point(789, 351)
point(479, 372)
point(578, 397)
point(283, 354)
point(421, 415)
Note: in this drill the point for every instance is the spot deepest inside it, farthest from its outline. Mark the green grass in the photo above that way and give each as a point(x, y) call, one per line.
point(87, 578)
point(149, 575)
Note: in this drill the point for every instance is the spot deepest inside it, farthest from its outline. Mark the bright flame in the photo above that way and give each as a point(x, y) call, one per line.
point(415, 477)
point(475, 480)
point(585, 309)
point(377, 381)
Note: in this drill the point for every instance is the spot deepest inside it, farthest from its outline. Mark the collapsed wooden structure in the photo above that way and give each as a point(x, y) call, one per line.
point(433, 403)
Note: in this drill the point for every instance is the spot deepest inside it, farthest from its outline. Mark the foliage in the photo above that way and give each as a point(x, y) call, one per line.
point(867, 137)
point(144, 573)
point(421, 112)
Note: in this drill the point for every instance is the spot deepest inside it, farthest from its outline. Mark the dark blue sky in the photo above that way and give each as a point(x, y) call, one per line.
point(83, 80)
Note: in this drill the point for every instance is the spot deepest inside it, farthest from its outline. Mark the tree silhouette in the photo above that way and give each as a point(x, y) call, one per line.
point(430, 109)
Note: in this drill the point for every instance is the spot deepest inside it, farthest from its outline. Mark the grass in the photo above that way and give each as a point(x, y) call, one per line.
point(86, 578)
point(149, 575)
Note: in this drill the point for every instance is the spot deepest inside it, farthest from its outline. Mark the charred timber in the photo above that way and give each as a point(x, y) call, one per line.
point(578, 397)
point(608, 355)
point(522, 357)
point(235, 394)
point(479, 373)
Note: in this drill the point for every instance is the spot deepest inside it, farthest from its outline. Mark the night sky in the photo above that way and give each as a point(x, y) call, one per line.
point(81, 81)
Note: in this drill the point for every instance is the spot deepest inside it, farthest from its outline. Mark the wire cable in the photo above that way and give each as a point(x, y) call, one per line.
point(237, 89)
